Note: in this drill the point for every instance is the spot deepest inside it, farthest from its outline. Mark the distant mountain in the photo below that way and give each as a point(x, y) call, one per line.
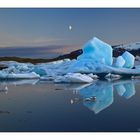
point(130, 46)
point(133, 48)
point(72, 55)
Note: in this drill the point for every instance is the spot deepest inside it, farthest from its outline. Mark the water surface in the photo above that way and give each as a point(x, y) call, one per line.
point(32, 105)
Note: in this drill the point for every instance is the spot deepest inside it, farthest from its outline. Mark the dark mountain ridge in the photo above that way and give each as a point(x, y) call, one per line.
point(72, 55)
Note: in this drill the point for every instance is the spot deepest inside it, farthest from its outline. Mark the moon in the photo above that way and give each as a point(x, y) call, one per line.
point(70, 27)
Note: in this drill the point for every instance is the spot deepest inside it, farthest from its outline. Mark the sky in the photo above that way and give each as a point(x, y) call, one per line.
point(46, 31)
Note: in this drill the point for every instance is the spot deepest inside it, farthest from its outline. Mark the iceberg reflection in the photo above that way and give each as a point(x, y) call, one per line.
point(103, 92)
point(5, 83)
point(126, 90)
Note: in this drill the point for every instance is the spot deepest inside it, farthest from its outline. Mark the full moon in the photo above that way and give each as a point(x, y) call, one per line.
point(70, 27)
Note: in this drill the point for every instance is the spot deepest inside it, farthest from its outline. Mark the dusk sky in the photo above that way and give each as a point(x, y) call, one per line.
point(48, 28)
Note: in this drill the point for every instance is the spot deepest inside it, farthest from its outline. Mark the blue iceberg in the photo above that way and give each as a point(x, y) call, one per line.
point(98, 51)
point(119, 62)
point(129, 60)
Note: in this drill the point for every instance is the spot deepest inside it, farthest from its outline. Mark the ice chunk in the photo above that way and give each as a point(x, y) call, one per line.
point(129, 60)
point(98, 51)
point(73, 78)
point(32, 75)
point(39, 71)
point(93, 76)
point(119, 62)
point(112, 76)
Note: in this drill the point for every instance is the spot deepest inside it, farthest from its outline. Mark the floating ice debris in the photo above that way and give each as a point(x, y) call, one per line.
point(17, 82)
point(74, 78)
point(93, 76)
point(32, 75)
point(112, 76)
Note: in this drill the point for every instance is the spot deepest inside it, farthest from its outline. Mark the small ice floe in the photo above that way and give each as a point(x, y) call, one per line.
point(93, 76)
point(73, 78)
point(47, 78)
point(112, 77)
point(32, 75)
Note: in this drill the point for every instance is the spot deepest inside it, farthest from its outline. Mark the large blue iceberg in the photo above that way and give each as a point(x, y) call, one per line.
point(98, 51)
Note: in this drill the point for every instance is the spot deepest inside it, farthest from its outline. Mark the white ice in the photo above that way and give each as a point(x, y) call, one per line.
point(74, 78)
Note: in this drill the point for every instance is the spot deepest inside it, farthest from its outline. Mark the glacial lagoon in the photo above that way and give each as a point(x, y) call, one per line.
point(34, 105)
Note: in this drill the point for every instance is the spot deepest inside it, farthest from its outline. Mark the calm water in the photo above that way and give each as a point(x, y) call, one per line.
point(31, 105)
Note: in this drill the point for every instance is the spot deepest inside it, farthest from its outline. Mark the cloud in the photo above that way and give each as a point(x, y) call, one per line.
point(39, 47)
point(50, 51)
point(7, 40)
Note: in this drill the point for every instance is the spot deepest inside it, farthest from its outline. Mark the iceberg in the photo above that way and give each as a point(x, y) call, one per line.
point(129, 60)
point(119, 62)
point(97, 59)
point(98, 51)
